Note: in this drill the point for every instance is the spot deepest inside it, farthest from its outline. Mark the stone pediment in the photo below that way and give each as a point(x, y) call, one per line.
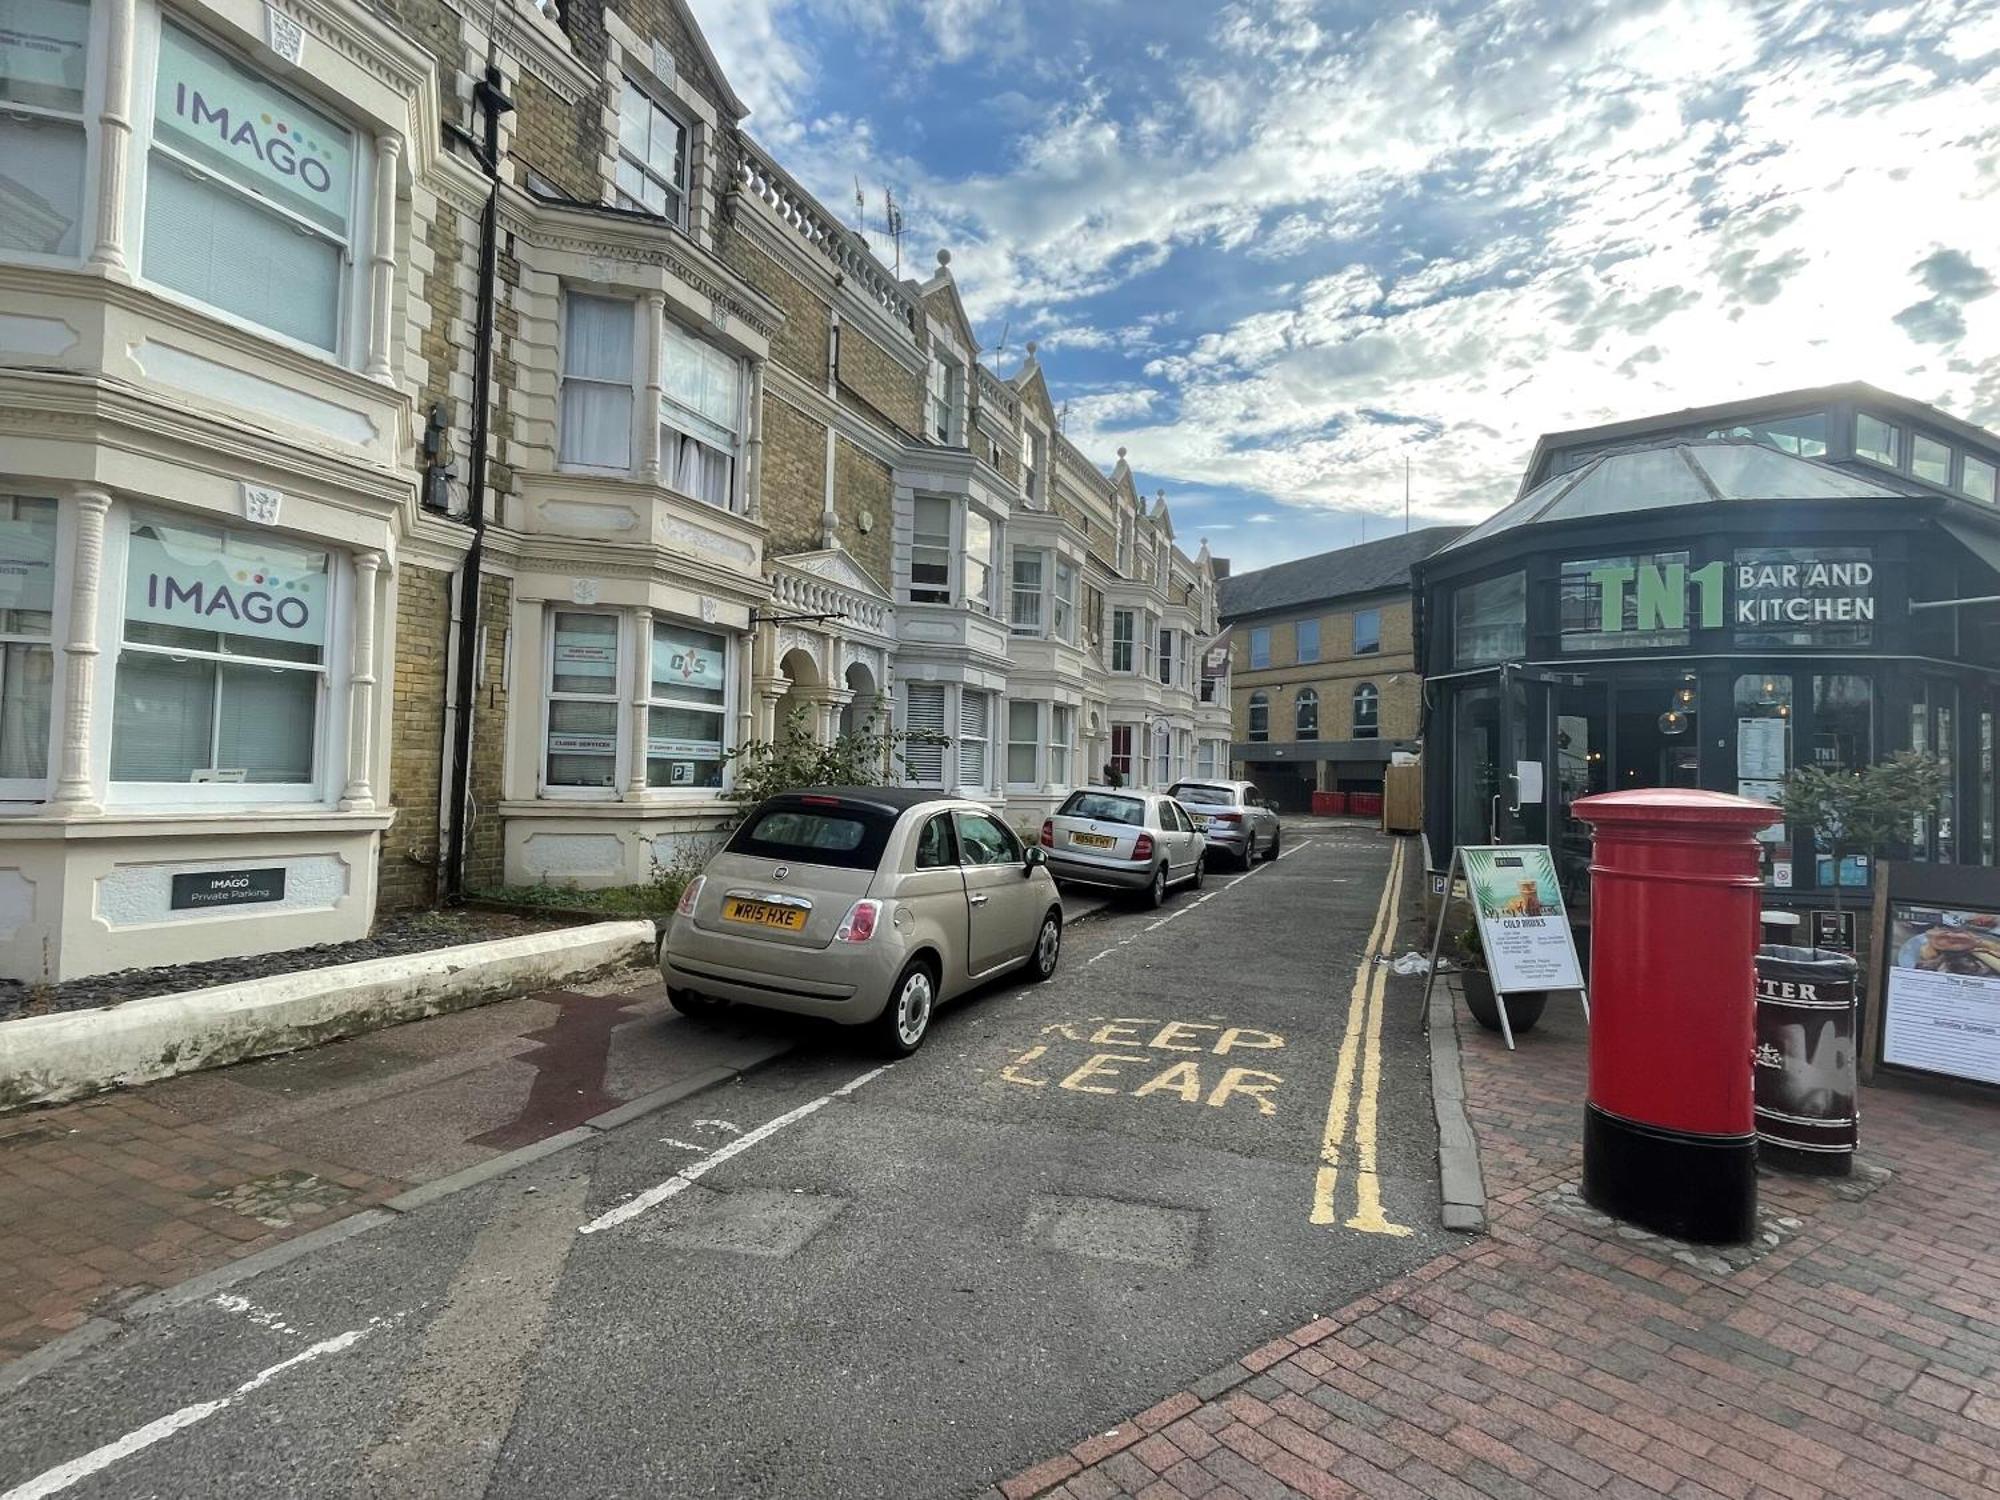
point(838, 567)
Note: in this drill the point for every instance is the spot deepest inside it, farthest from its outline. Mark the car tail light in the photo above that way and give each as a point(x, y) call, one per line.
point(858, 926)
point(1048, 833)
point(1225, 817)
point(690, 895)
point(1142, 847)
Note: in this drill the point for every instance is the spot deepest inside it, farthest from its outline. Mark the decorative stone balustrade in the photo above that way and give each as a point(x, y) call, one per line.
point(797, 592)
point(996, 393)
point(765, 181)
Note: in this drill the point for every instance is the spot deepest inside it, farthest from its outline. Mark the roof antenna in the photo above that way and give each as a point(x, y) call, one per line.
point(1406, 494)
point(1062, 418)
point(860, 207)
point(1005, 329)
point(894, 218)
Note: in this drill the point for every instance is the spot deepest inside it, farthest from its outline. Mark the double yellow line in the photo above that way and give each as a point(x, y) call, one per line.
point(1361, 1052)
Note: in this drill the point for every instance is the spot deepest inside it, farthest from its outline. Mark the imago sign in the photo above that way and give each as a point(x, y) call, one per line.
point(205, 888)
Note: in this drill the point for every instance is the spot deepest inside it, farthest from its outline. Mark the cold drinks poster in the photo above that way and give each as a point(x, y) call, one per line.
point(1941, 1008)
point(1521, 921)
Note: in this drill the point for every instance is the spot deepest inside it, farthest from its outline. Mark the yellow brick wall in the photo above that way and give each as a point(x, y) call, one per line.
point(416, 729)
point(794, 486)
point(862, 483)
point(801, 344)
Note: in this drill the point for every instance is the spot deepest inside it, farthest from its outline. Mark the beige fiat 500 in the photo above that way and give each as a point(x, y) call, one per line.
point(870, 906)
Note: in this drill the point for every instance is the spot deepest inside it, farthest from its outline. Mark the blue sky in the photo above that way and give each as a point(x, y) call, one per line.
point(1281, 248)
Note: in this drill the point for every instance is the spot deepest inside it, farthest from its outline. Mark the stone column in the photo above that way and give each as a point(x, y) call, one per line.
point(382, 266)
point(649, 432)
point(114, 142)
point(642, 697)
point(753, 446)
point(359, 794)
point(74, 793)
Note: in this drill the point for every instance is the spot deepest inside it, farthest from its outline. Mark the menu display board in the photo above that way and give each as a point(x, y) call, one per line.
point(1941, 990)
point(1522, 925)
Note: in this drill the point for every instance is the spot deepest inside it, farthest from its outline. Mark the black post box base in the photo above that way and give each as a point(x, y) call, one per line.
point(1701, 1188)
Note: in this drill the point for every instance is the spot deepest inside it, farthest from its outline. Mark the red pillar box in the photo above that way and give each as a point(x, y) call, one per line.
point(1669, 1137)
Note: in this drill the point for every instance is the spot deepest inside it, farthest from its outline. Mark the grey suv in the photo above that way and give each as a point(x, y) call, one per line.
point(1234, 816)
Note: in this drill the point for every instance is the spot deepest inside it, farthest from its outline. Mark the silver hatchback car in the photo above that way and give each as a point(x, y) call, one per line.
point(1234, 816)
point(870, 906)
point(1143, 842)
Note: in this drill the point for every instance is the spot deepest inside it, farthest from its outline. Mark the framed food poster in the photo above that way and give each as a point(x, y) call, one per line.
point(1523, 930)
point(1937, 990)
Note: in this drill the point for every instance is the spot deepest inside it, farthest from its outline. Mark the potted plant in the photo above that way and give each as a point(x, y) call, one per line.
point(1870, 811)
point(1524, 1007)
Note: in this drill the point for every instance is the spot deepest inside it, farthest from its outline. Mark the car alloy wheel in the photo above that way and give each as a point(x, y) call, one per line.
point(1249, 851)
point(1158, 893)
point(1048, 947)
point(1200, 871)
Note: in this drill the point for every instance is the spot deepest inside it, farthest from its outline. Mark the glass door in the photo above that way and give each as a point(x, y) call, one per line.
point(1579, 766)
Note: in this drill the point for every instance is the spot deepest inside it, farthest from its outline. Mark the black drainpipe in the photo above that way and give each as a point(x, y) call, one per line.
point(491, 102)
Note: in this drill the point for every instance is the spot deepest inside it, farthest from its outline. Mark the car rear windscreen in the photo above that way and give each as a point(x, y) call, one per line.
point(1207, 796)
point(1104, 808)
point(849, 837)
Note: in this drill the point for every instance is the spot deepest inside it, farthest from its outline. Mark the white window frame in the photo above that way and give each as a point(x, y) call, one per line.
point(1061, 740)
point(89, 110)
point(1038, 712)
point(929, 542)
point(1149, 642)
point(1300, 630)
point(985, 600)
point(631, 385)
point(619, 697)
point(1163, 756)
point(351, 318)
point(1129, 641)
point(1204, 758)
point(947, 763)
point(1131, 757)
point(1375, 648)
point(1124, 544)
point(37, 788)
point(944, 397)
point(1035, 596)
point(330, 727)
point(731, 644)
point(1168, 657)
point(965, 737)
point(1062, 615)
point(673, 416)
point(1260, 648)
point(678, 195)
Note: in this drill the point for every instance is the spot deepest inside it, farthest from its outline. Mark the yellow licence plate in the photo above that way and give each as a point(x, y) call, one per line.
point(1092, 840)
point(764, 914)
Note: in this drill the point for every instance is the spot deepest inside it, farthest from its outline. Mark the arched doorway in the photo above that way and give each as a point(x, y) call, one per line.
point(802, 691)
point(862, 710)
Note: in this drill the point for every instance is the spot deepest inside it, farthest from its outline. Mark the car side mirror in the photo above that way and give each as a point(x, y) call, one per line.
point(1037, 857)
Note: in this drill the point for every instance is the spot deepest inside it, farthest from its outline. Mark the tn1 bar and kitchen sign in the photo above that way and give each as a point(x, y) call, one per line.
point(1772, 588)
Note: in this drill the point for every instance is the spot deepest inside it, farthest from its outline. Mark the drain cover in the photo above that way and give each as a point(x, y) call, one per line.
point(283, 1198)
point(1142, 1234)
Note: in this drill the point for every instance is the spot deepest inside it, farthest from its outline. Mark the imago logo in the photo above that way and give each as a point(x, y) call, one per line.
point(256, 603)
point(285, 149)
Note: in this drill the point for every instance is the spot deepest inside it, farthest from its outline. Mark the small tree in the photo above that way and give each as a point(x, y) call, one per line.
point(1866, 811)
point(869, 756)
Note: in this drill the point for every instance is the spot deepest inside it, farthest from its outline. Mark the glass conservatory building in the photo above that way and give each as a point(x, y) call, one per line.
point(1711, 611)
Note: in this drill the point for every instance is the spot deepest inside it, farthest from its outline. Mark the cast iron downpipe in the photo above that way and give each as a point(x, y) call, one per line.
point(492, 103)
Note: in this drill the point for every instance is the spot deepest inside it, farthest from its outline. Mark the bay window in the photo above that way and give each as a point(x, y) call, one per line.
point(222, 662)
point(1123, 625)
point(701, 417)
point(1026, 616)
point(1121, 751)
point(583, 701)
point(1163, 750)
point(1204, 758)
point(1167, 657)
point(924, 715)
point(978, 560)
point(1024, 730)
point(44, 56)
point(973, 729)
point(251, 195)
point(597, 383)
point(930, 552)
point(1062, 730)
point(652, 157)
point(1065, 601)
point(687, 707)
point(27, 655)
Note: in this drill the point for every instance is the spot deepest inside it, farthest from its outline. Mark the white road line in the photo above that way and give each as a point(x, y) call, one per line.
point(1288, 853)
point(686, 1178)
point(97, 1460)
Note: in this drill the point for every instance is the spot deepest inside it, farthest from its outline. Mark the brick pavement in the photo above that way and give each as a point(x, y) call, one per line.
point(1558, 1357)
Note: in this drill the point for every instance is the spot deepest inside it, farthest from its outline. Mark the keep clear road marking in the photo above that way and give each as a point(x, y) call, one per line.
point(1361, 1043)
point(62, 1476)
point(689, 1175)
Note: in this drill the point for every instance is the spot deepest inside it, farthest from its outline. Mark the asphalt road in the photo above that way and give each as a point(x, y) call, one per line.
point(827, 1280)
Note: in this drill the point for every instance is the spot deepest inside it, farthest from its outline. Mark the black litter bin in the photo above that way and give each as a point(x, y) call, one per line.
point(1807, 1112)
